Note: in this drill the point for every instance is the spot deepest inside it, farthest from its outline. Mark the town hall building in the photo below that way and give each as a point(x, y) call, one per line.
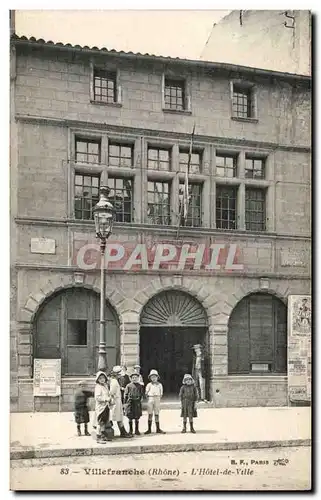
point(221, 278)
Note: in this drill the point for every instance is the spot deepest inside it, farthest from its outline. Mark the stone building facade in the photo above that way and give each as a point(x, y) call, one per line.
point(77, 112)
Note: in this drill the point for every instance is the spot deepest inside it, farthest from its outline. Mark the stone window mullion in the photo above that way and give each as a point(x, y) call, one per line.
point(241, 192)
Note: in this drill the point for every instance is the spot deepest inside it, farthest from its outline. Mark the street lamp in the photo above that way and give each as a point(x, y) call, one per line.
point(103, 216)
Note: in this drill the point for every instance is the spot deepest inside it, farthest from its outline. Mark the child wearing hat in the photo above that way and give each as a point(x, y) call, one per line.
point(140, 378)
point(103, 402)
point(133, 396)
point(123, 381)
point(188, 396)
point(81, 407)
point(154, 393)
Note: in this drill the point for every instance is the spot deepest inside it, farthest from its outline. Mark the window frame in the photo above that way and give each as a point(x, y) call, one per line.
point(120, 144)
point(264, 212)
point(68, 344)
point(251, 89)
point(84, 174)
point(254, 158)
point(187, 108)
point(234, 157)
point(131, 213)
point(108, 68)
point(218, 221)
point(168, 205)
point(88, 140)
point(163, 147)
point(195, 151)
point(200, 185)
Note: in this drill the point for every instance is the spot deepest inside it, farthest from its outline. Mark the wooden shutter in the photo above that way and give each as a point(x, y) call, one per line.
point(258, 334)
point(261, 326)
point(77, 307)
point(47, 345)
point(238, 339)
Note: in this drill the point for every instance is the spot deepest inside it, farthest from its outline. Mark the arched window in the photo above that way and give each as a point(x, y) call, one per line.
point(257, 336)
point(67, 327)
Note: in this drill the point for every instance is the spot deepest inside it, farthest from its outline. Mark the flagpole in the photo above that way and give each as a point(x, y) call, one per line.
point(184, 205)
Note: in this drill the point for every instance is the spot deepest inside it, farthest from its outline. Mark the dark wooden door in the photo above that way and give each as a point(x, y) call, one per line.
point(67, 327)
point(257, 335)
point(48, 330)
point(77, 332)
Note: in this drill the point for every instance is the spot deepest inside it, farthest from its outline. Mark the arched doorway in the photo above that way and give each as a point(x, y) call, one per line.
point(257, 336)
point(170, 324)
point(67, 327)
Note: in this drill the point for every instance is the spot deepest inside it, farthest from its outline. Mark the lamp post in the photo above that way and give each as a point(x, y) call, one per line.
point(103, 216)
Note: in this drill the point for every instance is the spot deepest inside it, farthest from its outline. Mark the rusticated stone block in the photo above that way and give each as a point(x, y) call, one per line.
point(24, 349)
point(31, 304)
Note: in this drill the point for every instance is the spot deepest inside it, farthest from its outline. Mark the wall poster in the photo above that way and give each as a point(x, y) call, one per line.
point(299, 348)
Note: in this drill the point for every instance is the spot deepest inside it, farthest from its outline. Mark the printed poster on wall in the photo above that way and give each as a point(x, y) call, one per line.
point(299, 348)
point(47, 377)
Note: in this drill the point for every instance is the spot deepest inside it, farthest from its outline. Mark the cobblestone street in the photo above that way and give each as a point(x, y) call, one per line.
point(205, 470)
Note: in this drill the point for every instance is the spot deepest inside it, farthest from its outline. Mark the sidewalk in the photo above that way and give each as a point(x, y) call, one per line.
point(42, 435)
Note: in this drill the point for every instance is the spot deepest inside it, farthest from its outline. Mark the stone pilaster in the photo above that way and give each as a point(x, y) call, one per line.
point(220, 364)
point(138, 181)
point(129, 344)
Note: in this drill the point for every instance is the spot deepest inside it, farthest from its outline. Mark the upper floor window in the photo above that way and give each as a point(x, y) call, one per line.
point(195, 163)
point(120, 155)
point(174, 94)
point(225, 207)
point(158, 202)
point(226, 166)
point(193, 218)
point(86, 195)
point(254, 209)
point(254, 168)
point(243, 100)
point(121, 197)
point(105, 86)
point(159, 159)
point(88, 151)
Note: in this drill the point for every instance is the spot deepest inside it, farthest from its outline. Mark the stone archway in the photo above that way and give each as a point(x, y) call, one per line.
point(48, 287)
point(171, 322)
point(66, 327)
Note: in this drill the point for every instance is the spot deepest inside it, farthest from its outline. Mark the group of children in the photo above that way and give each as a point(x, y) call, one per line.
point(118, 394)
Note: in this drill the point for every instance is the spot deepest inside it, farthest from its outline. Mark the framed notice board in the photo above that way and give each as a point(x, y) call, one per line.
point(47, 377)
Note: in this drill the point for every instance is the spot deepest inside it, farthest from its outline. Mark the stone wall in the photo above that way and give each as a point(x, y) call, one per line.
point(57, 85)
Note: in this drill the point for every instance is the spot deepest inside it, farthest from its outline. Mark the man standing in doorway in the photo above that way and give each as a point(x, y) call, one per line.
point(199, 370)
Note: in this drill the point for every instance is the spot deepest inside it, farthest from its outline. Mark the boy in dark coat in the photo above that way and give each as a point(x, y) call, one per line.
point(81, 407)
point(188, 396)
point(133, 396)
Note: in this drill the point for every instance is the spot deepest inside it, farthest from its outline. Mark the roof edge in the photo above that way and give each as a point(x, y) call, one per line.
point(23, 40)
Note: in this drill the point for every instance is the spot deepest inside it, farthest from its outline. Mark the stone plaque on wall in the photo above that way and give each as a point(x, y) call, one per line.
point(43, 245)
point(299, 348)
point(292, 258)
